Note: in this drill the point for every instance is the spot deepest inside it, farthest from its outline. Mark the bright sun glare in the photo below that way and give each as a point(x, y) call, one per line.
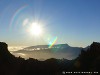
point(35, 29)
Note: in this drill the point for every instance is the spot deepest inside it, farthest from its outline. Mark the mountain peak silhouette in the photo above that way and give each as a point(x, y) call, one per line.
point(5, 55)
point(3, 46)
point(96, 44)
point(89, 59)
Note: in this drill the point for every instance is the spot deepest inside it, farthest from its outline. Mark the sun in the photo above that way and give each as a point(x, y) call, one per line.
point(35, 29)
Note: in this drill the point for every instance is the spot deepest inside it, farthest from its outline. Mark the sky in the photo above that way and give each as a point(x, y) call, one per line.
point(75, 22)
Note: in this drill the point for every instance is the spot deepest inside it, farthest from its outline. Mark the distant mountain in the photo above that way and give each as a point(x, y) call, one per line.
point(58, 51)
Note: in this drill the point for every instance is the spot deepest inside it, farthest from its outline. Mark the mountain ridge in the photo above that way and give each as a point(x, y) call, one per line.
point(56, 51)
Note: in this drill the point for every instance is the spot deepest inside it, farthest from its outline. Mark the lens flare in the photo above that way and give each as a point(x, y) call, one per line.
point(51, 44)
point(15, 15)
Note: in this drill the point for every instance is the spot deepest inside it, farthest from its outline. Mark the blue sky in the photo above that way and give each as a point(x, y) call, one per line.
point(76, 22)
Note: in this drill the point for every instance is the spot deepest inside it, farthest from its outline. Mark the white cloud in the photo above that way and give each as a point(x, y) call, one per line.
point(16, 48)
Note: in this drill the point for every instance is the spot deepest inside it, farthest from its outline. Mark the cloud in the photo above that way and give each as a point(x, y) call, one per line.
point(15, 48)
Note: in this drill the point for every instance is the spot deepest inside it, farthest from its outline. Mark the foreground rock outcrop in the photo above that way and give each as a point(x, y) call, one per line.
point(89, 60)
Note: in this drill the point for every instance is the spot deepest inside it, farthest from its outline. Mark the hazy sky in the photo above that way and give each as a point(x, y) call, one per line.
point(76, 22)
